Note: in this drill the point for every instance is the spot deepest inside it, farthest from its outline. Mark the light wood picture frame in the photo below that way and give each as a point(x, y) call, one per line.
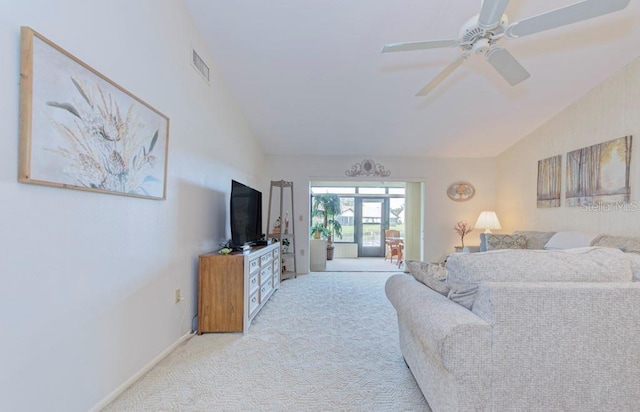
point(80, 130)
point(599, 174)
point(549, 171)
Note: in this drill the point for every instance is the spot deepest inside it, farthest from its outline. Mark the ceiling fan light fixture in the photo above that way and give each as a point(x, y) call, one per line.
point(481, 46)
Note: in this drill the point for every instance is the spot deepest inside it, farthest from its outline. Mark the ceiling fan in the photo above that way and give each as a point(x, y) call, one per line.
point(480, 34)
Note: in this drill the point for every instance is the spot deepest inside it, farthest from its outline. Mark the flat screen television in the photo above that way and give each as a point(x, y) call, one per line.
point(246, 215)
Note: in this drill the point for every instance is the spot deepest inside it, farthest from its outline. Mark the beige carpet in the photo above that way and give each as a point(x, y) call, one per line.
point(363, 264)
point(324, 342)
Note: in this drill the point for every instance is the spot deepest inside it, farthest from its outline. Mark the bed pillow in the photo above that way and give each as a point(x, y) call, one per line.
point(430, 274)
point(569, 240)
point(465, 271)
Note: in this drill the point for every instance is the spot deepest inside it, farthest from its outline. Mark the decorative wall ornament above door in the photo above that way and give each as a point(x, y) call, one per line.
point(367, 168)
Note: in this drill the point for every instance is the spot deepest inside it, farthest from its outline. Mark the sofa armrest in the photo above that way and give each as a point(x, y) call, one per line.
point(454, 334)
point(563, 345)
point(447, 347)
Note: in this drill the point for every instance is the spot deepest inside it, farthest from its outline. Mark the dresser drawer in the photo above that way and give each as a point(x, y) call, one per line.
point(264, 259)
point(276, 253)
point(265, 275)
point(276, 266)
point(254, 264)
point(276, 279)
point(264, 291)
point(253, 284)
point(254, 301)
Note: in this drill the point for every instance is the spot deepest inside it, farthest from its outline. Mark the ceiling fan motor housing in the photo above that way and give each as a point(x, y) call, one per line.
point(474, 38)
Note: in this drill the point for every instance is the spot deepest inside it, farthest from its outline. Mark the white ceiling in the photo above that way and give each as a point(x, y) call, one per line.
point(309, 77)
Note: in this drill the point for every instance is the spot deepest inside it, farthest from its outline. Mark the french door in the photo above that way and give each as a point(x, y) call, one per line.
point(371, 219)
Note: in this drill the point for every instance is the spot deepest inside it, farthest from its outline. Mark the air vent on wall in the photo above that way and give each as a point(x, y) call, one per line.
point(199, 65)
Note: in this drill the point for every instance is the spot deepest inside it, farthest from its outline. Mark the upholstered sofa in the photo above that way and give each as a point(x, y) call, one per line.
point(526, 330)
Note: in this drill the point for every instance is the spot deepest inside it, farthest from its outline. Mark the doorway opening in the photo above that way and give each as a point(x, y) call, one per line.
point(367, 210)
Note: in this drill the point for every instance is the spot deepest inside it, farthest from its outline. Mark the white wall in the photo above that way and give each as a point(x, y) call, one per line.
point(440, 214)
point(609, 111)
point(88, 279)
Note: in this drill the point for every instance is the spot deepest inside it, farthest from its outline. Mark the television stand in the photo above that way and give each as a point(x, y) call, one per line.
point(233, 288)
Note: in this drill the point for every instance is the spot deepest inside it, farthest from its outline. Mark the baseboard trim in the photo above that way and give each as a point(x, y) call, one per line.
point(118, 391)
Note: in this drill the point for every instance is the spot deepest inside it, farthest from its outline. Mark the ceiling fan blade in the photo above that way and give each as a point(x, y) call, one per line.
point(419, 45)
point(442, 75)
point(566, 15)
point(507, 65)
point(491, 13)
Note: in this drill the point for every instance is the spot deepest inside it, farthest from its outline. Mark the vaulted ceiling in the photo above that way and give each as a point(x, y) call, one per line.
point(309, 77)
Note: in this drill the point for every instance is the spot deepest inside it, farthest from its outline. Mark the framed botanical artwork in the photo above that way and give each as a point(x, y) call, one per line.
point(461, 191)
point(80, 130)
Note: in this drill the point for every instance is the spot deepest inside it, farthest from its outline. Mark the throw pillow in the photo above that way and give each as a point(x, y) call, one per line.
point(505, 241)
point(535, 239)
point(591, 264)
point(626, 244)
point(431, 275)
point(569, 240)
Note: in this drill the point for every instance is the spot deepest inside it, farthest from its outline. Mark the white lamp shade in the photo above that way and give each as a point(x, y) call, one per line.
point(488, 220)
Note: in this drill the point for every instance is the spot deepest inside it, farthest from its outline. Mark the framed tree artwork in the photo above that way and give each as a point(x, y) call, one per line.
point(599, 174)
point(549, 182)
point(80, 130)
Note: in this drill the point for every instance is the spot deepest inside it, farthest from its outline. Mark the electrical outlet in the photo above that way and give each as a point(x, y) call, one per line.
point(301, 252)
point(178, 296)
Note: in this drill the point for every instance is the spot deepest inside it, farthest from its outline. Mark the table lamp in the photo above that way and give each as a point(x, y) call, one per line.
point(488, 220)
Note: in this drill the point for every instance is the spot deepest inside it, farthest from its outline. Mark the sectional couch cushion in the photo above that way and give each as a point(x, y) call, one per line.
point(630, 245)
point(430, 274)
point(634, 258)
point(591, 264)
point(626, 244)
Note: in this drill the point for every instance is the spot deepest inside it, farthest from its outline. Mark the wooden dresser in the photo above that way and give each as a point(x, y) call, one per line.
point(233, 288)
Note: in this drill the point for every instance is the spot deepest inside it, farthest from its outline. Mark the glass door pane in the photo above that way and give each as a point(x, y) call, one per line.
point(396, 215)
point(371, 227)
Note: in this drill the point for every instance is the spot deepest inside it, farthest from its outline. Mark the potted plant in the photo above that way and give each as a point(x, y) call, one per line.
point(285, 245)
point(462, 228)
point(318, 230)
point(327, 208)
